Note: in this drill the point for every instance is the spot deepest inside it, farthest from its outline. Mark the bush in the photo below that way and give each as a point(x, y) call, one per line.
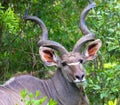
point(30, 99)
point(103, 85)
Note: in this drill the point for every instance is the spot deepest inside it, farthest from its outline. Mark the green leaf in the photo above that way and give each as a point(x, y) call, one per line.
point(37, 94)
point(43, 100)
point(52, 102)
point(31, 95)
point(97, 87)
point(23, 94)
point(102, 95)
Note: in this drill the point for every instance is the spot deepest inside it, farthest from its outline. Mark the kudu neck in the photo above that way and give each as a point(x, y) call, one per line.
point(65, 89)
point(62, 83)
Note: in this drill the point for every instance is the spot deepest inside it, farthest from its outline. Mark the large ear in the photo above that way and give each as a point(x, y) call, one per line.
point(92, 49)
point(48, 56)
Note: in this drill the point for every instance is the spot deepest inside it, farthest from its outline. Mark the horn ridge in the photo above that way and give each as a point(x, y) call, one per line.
point(88, 36)
point(54, 45)
point(83, 26)
point(44, 41)
point(41, 24)
point(83, 40)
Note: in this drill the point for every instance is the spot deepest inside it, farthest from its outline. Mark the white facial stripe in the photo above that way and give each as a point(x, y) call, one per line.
point(76, 63)
point(78, 81)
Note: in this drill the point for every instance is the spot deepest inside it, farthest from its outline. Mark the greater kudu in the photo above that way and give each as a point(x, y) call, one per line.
point(66, 85)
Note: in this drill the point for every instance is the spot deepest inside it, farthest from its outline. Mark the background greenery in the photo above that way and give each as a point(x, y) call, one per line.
point(18, 41)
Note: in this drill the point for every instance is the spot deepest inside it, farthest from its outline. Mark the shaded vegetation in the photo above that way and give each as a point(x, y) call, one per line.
point(18, 40)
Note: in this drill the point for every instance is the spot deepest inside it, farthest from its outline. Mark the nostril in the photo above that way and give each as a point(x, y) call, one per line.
point(80, 77)
point(77, 77)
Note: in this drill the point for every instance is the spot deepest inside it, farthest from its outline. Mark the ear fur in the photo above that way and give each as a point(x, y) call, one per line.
point(48, 56)
point(92, 49)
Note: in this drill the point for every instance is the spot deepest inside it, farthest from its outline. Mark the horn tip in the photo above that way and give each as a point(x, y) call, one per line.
point(93, 5)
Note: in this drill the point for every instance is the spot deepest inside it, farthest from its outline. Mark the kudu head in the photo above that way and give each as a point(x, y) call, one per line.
point(71, 63)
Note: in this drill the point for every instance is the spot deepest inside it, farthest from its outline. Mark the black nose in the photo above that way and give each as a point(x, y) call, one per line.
point(80, 77)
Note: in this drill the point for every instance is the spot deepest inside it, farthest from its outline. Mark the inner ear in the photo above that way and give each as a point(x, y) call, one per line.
point(92, 49)
point(48, 55)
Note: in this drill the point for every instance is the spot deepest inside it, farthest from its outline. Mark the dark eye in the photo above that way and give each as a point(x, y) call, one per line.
point(64, 63)
point(81, 60)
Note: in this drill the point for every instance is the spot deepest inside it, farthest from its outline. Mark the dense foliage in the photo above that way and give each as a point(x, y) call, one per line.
point(18, 40)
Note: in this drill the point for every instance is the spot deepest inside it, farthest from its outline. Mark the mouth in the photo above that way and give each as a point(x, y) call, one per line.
point(80, 83)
